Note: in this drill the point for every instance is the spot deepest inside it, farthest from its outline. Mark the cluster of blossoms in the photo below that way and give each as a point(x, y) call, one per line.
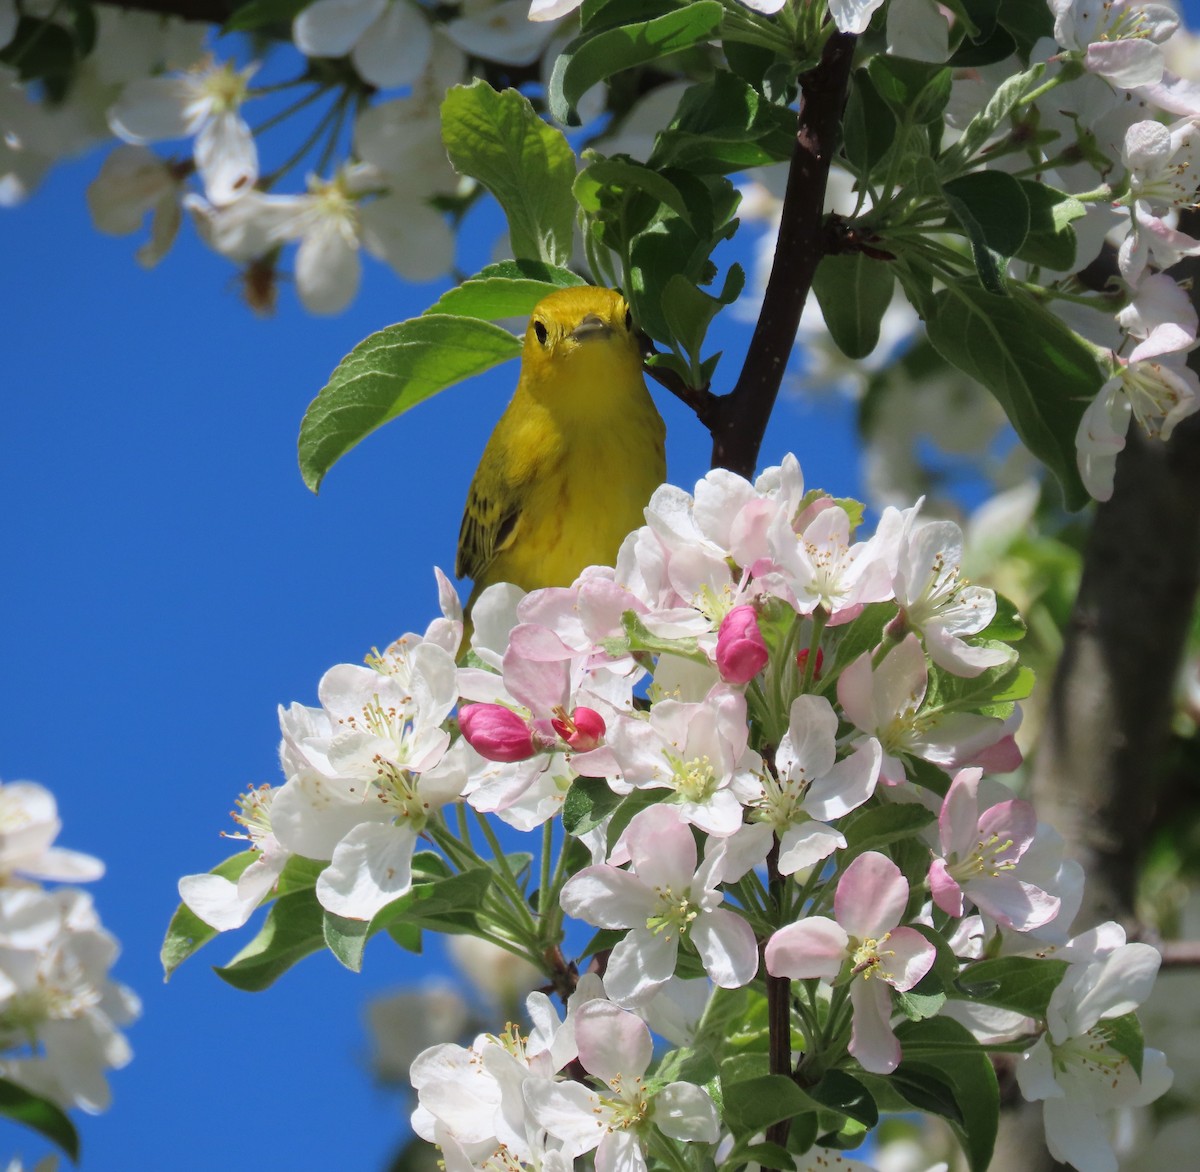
point(1116, 128)
point(60, 1012)
point(765, 740)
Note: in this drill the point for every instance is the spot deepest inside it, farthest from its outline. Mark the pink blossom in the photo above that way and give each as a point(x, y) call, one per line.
point(981, 853)
point(662, 898)
point(865, 937)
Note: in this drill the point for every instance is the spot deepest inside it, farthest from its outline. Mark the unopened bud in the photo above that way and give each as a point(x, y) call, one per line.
point(802, 662)
point(496, 732)
point(741, 651)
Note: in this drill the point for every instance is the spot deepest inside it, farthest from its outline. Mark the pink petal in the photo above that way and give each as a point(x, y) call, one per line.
point(871, 1039)
point(958, 821)
point(607, 898)
point(612, 1041)
point(1012, 821)
point(910, 957)
point(812, 947)
point(1013, 903)
point(661, 847)
point(871, 896)
point(946, 892)
point(727, 947)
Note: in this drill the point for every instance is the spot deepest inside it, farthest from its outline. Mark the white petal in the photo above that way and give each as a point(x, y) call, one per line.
point(331, 28)
point(371, 866)
point(156, 108)
point(328, 269)
point(395, 49)
point(684, 1111)
point(409, 235)
point(226, 158)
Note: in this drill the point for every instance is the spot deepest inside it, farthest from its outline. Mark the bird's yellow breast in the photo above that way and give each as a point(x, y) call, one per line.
point(574, 459)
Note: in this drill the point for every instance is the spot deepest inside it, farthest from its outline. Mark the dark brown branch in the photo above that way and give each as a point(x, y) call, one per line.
point(779, 1006)
point(205, 11)
point(741, 416)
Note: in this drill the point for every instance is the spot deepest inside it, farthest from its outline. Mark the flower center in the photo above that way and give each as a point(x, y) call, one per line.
point(989, 858)
point(1151, 395)
point(695, 780)
point(673, 915)
point(868, 957)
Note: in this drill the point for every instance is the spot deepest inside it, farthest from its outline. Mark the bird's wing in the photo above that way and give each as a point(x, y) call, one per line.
point(492, 517)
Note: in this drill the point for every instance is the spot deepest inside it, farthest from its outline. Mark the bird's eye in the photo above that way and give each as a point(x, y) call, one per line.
point(540, 332)
point(629, 319)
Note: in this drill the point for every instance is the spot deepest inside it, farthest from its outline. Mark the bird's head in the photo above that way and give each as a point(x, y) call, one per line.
point(580, 323)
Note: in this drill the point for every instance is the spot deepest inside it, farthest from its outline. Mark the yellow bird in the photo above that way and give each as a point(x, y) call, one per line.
point(574, 458)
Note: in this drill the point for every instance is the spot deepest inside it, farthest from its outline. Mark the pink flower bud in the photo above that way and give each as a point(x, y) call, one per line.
point(741, 652)
point(496, 732)
point(583, 730)
point(802, 661)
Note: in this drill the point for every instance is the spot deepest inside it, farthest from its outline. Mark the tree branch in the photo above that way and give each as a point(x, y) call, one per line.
point(740, 418)
point(205, 11)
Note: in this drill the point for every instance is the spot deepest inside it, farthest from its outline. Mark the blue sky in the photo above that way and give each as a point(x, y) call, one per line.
point(168, 582)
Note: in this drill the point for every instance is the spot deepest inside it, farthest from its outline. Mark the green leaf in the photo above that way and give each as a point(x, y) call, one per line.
point(854, 639)
point(1027, 20)
point(853, 292)
point(992, 208)
point(43, 51)
point(299, 873)
point(755, 1104)
point(1124, 1035)
point(588, 802)
point(869, 128)
point(724, 125)
point(991, 692)
point(869, 828)
point(509, 289)
point(389, 373)
point(669, 246)
point(765, 1155)
point(639, 637)
point(1039, 371)
point(261, 13)
point(346, 939)
point(1051, 239)
point(918, 1006)
point(959, 1081)
point(1007, 625)
point(624, 174)
point(981, 128)
point(594, 56)
point(40, 1115)
point(292, 930)
point(187, 933)
point(724, 1015)
point(1023, 984)
point(449, 905)
point(843, 1093)
point(525, 163)
point(916, 91)
point(690, 311)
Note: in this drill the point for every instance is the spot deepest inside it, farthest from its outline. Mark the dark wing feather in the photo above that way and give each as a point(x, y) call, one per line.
point(488, 526)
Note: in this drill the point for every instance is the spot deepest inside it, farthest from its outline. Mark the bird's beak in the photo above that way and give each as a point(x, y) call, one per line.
point(591, 327)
